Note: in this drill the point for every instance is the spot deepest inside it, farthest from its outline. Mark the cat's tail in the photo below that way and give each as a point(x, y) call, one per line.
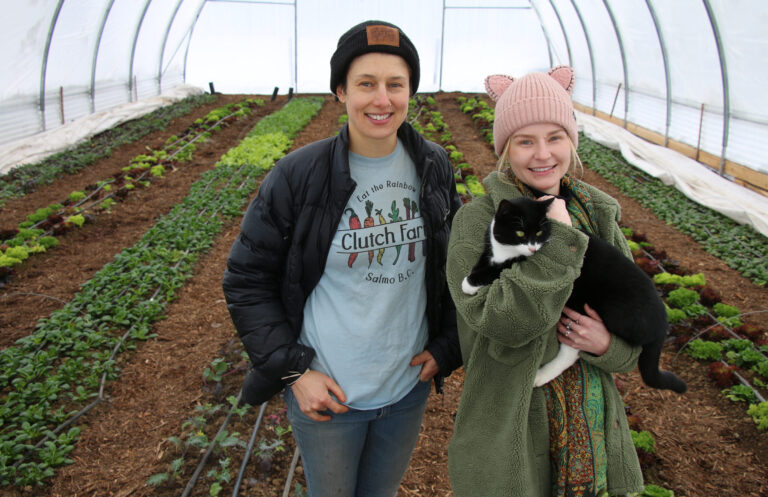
point(648, 364)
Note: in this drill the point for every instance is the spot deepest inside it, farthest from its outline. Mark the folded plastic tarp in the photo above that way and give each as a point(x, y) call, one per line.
point(697, 181)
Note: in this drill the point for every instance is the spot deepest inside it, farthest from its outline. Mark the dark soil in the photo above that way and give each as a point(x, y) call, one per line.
point(705, 445)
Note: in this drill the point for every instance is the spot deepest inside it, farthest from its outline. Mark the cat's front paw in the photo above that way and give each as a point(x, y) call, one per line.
point(468, 288)
point(541, 379)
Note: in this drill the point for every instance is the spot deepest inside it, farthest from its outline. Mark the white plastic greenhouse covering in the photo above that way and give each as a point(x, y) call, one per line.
point(690, 71)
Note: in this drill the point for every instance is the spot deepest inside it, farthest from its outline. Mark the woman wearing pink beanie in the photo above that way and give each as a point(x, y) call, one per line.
point(569, 436)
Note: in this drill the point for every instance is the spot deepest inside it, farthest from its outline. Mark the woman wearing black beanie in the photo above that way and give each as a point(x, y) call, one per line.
point(336, 284)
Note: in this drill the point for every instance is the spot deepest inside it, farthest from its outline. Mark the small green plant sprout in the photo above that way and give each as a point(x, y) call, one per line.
point(6, 261)
point(761, 369)
point(19, 253)
point(456, 156)
point(461, 189)
point(343, 118)
point(628, 232)
point(40, 214)
point(759, 413)
point(746, 358)
point(175, 472)
point(740, 393)
point(690, 280)
point(682, 297)
point(241, 410)
point(675, 315)
point(643, 440)
point(473, 184)
point(78, 220)
point(216, 370)
point(106, 204)
point(727, 315)
point(656, 491)
point(704, 350)
point(219, 475)
point(157, 170)
point(299, 490)
point(76, 196)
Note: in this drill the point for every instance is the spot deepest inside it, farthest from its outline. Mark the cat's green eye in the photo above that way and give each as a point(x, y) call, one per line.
point(539, 233)
point(520, 234)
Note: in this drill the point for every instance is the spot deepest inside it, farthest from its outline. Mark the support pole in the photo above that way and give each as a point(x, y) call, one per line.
point(698, 143)
point(616, 97)
point(61, 103)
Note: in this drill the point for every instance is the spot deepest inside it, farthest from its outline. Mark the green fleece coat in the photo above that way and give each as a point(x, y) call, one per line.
point(500, 444)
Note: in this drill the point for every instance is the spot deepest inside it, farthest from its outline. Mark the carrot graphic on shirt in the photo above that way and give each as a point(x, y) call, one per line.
point(394, 216)
point(354, 223)
point(412, 245)
point(382, 220)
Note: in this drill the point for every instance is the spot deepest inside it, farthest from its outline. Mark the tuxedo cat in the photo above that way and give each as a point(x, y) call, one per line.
point(620, 292)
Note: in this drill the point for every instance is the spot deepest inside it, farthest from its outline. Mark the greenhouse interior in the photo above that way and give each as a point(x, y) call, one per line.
point(671, 88)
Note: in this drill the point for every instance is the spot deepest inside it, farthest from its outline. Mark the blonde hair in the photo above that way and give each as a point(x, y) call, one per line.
point(503, 165)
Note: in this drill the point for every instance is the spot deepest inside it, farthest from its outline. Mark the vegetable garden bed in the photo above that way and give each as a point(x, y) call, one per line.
point(705, 444)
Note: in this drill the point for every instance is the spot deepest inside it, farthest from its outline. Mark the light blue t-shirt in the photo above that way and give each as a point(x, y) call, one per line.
point(366, 318)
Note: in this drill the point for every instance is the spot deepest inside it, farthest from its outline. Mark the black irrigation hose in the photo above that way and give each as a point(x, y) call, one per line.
point(201, 465)
point(248, 450)
point(289, 479)
point(142, 176)
point(727, 328)
point(115, 349)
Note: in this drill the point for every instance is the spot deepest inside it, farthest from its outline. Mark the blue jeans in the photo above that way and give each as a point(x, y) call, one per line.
point(358, 453)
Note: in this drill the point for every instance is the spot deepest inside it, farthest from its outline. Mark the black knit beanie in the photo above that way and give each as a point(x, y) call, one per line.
point(373, 36)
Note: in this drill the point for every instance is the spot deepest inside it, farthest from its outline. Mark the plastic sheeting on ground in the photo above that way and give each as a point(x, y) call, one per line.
point(698, 182)
point(38, 147)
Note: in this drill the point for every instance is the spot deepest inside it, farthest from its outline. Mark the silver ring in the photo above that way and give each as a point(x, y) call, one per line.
point(568, 326)
point(567, 332)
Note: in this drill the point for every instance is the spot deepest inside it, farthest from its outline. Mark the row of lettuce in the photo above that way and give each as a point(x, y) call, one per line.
point(28, 177)
point(50, 377)
point(41, 229)
point(740, 246)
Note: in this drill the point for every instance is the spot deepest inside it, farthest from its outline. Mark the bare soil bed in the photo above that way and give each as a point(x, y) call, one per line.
point(705, 444)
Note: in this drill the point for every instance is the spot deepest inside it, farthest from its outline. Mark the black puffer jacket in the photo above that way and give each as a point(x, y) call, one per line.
point(285, 238)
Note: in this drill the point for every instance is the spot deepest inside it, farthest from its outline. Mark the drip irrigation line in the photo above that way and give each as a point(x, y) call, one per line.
point(191, 483)
point(101, 397)
point(288, 480)
point(248, 450)
point(741, 379)
point(33, 294)
point(746, 383)
point(139, 178)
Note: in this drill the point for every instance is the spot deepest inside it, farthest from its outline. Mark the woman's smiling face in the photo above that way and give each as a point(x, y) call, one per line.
point(376, 95)
point(540, 155)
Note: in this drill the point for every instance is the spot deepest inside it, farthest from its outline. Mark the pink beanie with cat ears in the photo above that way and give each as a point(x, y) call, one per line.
point(534, 98)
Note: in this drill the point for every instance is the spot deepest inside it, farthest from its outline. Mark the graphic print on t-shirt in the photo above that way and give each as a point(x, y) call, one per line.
point(384, 233)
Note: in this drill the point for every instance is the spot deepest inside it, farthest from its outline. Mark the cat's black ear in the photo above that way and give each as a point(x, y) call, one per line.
point(504, 206)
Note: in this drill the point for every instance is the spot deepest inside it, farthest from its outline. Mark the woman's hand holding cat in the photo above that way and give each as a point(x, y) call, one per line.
point(584, 332)
point(313, 393)
point(557, 210)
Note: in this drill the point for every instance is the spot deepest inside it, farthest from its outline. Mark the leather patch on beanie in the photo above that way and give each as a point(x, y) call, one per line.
point(383, 35)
